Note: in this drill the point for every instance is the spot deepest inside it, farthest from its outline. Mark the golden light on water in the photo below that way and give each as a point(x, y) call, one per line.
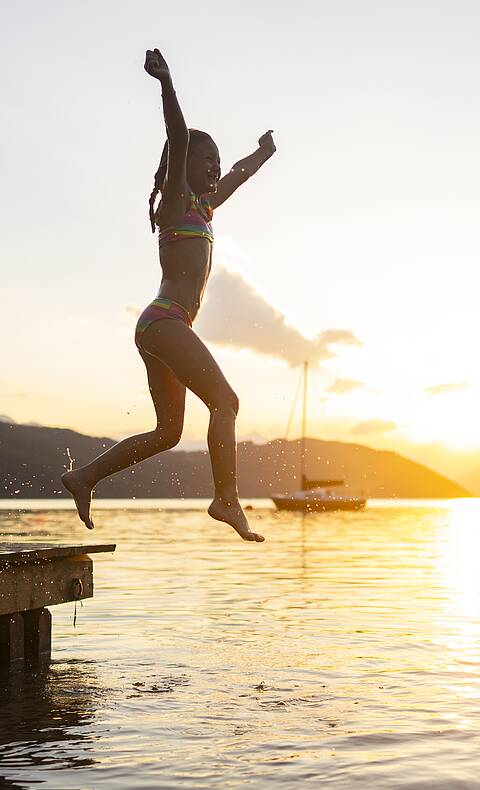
point(346, 633)
point(458, 563)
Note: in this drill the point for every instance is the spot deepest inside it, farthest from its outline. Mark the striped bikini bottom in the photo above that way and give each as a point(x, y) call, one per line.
point(155, 311)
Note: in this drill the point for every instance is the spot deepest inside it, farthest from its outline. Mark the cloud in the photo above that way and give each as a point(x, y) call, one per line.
point(236, 315)
point(372, 426)
point(342, 386)
point(442, 389)
point(5, 418)
point(228, 249)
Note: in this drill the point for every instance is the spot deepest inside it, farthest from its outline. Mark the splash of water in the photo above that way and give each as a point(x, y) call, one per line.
point(70, 459)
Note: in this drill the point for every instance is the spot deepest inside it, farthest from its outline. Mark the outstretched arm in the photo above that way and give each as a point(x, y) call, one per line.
point(177, 132)
point(242, 170)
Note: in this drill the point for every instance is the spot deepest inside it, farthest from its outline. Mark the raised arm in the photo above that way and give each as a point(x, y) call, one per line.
point(242, 170)
point(177, 132)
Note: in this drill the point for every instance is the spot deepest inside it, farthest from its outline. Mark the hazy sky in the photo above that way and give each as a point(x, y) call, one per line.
point(356, 245)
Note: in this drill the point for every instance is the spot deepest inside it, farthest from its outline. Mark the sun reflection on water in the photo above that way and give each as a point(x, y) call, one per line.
point(459, 559)
point(347, 634)
point(458, 565)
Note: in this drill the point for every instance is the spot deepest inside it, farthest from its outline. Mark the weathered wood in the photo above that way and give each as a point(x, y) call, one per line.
point(15, 553)
point(38, 633)
point(33, 576)
point(11, 638)
point(45, 583)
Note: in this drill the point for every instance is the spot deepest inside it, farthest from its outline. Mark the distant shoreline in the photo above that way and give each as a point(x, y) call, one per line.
point(33, 457)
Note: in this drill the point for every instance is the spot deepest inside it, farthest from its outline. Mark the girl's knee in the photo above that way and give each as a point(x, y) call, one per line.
point(167, 437)
point(227, 401)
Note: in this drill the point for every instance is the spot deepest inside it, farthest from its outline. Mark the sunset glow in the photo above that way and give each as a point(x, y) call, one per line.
point(371, 234)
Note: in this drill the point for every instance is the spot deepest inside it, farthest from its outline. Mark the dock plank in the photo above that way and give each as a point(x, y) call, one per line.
point(18, 553)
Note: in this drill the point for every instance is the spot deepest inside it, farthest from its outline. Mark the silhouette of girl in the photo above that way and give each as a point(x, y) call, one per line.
point(188, 179)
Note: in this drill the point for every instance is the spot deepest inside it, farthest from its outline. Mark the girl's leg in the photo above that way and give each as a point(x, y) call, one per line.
point(168, 395)
point(175, 344)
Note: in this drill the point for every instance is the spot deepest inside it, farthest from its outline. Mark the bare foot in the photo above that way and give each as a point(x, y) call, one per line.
point(232, 513)
point(81, 492)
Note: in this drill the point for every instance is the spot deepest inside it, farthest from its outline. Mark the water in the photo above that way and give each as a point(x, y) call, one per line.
point(344, 651)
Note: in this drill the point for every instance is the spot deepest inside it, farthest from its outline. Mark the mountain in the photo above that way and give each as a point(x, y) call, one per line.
point(33, 457)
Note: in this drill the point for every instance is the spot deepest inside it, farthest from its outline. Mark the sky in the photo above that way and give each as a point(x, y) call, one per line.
point(355, 247)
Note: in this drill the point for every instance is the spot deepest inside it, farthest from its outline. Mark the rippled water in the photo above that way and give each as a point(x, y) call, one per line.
point(343, 651)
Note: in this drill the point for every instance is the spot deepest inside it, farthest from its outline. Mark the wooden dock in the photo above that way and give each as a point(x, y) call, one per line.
point(32, 577)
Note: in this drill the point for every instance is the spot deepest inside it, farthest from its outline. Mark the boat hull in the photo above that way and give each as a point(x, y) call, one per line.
point(314, 506)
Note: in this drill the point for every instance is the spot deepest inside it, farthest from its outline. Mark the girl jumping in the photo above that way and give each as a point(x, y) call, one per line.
point(188, 179)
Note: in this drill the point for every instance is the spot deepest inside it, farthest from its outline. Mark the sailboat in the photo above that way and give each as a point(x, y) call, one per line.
point(316, 495)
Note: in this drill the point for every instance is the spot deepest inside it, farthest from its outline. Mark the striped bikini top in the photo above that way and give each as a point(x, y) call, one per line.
point(196, 223)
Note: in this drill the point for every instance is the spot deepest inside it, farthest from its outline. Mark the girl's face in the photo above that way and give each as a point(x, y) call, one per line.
point(203, 167)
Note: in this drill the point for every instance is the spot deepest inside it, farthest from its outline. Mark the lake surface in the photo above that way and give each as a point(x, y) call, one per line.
point(344, 651)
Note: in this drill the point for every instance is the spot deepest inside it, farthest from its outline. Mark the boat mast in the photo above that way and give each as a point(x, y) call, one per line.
point(304, 424)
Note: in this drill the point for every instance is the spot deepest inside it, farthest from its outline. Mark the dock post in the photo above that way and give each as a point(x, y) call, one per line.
point(38, 633)
point(11, 638)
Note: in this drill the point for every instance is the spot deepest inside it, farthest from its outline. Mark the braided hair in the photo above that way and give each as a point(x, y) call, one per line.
point(195, 136)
